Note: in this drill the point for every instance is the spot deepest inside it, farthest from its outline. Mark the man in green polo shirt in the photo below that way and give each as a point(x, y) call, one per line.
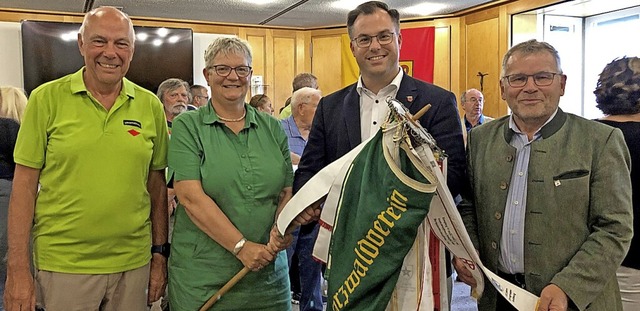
point(96, 143)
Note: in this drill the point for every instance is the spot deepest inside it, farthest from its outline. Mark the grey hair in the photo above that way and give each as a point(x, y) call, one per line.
point(303, 95)
point(170, 85)
point(304, 79)
point(531, 47)
point(463, 96)
point(227, 46)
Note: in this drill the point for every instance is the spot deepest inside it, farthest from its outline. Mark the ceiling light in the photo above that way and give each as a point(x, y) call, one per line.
point(157, 42)
point(142, 36)
point(424, 9)
point(162, 32)
point(173, 39)
point(69, 36)
point(346, 4)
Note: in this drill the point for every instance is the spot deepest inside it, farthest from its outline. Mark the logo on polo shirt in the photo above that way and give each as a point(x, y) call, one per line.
point(132, 123)
point(135, 123)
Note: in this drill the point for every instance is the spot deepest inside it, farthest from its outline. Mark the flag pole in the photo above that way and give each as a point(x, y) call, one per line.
point(232, 282)
point(215, 297)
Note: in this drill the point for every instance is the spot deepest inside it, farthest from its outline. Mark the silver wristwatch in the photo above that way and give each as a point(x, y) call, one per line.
point(239, 246)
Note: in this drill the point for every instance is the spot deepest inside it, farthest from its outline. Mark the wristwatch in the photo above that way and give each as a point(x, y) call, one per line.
point(164, 249)
point(239, 246)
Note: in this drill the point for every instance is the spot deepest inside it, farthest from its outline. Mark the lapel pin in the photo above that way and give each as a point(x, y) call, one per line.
point(410, 98)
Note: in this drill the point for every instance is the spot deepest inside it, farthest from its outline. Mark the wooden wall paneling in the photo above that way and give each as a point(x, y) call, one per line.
point(326, 62)
point(482, 46)
point(457, 53)
point(482, 16)
point(461, 68)
point(284, 69)
point(258, 41)
point(526, 5)
point(318, 50)
point(10, 15)
point(442, 58)
point(303, 51)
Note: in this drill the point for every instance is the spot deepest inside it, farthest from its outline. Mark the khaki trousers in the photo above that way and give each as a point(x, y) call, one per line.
point(93, 292)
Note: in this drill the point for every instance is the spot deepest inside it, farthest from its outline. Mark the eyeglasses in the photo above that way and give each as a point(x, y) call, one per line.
point(206, 97)
point(224, 70)
point(364, 41)
point(540, 79)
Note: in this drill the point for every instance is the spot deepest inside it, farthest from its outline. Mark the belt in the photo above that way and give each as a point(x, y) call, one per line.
point(516, 279)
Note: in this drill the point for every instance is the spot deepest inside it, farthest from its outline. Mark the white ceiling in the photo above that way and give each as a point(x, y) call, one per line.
point(304, 14)
point(584, 8)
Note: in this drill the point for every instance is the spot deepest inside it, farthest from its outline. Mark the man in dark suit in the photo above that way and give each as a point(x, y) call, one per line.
point(349, 116)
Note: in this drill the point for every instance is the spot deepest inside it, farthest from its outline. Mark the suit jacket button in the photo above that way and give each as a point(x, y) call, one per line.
point(509, 158)
point(494, 245)
point(503, 185)
point(498, 215)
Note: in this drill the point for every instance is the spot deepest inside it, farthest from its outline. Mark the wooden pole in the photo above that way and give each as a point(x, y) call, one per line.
point(225, 289)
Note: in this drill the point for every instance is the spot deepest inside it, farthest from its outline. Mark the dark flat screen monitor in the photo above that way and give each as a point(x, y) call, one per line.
point(50, 51)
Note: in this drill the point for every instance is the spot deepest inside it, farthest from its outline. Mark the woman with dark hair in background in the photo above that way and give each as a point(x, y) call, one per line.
point(618, 97)
point(12, 104)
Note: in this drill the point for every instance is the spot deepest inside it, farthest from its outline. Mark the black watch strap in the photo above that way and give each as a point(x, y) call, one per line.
point(164, 249)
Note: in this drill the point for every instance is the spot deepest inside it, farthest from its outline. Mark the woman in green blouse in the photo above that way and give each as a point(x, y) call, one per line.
point(232, 174)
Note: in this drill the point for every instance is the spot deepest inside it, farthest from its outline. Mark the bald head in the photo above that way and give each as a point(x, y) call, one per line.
point(110, 13)
point(305, 95)
point(106, 42)
point(472, 102)
point(303, 105)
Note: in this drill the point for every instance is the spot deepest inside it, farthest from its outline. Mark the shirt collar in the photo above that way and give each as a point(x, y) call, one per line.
point(514, 127)
point(78, 86)
point(293, 127)
point(468, 125)
point(394, 83)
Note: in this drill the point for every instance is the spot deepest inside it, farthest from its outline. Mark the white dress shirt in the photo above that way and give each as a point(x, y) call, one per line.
point(373, 107)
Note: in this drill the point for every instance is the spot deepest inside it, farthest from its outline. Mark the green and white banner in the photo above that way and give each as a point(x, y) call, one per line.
point(374, 229)
point(382, 199)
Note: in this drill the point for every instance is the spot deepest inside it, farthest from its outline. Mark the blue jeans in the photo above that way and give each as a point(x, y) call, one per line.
point(310, 270)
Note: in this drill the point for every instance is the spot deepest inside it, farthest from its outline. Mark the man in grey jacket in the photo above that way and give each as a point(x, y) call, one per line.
point(551, 194)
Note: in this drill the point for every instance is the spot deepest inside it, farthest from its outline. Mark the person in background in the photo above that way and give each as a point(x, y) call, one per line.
point(175, 96)
point(618, 97)
point(12, 104)
point(89, 185)
point(262, 103)
point(286, 104)
point(303, 105)
point(472, 102)
point(232, 175)
point(199, 96)
point(550, 208)
point(298, 125)
point(301, 80)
